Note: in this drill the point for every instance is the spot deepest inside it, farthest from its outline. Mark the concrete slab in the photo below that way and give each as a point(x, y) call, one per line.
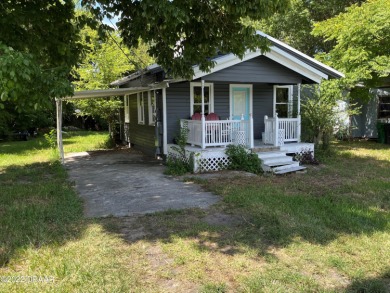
point(125, 183)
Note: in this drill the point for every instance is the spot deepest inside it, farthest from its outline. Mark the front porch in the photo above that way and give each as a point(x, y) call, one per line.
point(220, 133)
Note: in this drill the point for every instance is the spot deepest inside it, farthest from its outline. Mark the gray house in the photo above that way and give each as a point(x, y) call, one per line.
point(249, 101)
point(377, 109)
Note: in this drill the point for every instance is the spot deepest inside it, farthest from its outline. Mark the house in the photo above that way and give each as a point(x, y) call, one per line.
point(377, 109)
point(252, 102)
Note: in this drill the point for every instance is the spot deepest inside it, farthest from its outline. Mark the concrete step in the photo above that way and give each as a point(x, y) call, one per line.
point(264, 155)
point(285, 166)
point(290, 170)
point(281, 159)
point(280, 163)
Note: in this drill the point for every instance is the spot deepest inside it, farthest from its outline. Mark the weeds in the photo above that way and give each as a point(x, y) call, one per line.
point(241, 159)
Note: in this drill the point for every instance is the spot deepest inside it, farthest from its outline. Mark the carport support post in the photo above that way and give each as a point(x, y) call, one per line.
point(59, 128)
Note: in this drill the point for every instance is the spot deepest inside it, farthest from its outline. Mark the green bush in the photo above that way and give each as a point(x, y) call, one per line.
point(180, 165)
point(242, 160)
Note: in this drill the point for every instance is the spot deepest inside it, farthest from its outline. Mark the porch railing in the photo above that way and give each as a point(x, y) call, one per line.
point(218, 132)
point(277, 130)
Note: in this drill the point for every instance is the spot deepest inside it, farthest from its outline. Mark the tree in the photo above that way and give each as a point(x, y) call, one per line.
point(39, 44)
point(104, 61)
point(295, 25)
point(362, 47)
point(183, 33)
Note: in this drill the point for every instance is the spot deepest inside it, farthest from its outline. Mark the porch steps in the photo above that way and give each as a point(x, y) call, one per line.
point(278, 162)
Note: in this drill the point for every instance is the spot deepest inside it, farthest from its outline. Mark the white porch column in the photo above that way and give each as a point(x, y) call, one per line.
point(299, 113)
point(59, 129)
point(276, 130)
point(299, 100)
point(251, 139)
point(203, 119)
point(165, 132)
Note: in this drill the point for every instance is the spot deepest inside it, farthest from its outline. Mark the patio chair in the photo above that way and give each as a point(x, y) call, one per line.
point(196, 116)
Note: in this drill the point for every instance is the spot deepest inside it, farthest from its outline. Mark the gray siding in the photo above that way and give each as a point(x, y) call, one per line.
point(257, 70)
point(365, 123)
point(142, 136)
point(262, 105)
point(178, 107)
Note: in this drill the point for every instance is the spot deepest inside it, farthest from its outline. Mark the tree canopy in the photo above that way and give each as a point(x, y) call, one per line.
point(362, 47)
point(182, 33)
point(39, 45)
point(103, 62)
point(295, 25)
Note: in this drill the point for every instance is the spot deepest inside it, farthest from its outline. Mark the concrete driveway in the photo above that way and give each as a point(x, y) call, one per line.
point(125, 183)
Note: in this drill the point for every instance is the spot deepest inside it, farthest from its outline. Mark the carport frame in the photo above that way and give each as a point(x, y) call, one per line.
point(93, 94)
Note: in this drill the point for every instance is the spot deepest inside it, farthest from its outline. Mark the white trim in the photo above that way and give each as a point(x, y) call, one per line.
point(276, 41)
point(289, 103)
point(126, 101)
point(151, 111)
point(250, 87)
point(211, 97)
point(165, 131)
point(295, 64)
point(141, 107)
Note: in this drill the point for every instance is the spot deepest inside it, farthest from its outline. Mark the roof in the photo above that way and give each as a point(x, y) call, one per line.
point(279, 52)
point(89, 94)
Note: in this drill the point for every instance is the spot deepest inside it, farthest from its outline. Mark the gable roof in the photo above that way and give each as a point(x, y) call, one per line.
point(279, 52)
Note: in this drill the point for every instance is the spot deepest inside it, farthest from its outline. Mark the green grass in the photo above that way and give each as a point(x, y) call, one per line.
point(324, 231)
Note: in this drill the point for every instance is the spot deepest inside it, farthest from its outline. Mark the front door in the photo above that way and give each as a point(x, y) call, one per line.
point(240, 101)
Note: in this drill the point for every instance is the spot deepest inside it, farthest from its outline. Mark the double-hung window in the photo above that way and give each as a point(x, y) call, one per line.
point(196, 98)
point(283, 101)
point(141, 107)
point(152, 107)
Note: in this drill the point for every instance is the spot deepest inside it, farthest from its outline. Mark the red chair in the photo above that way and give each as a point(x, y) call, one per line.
point(196, 116)
point(212, 117)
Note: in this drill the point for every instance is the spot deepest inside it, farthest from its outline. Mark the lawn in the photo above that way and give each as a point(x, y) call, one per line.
point(327, 230)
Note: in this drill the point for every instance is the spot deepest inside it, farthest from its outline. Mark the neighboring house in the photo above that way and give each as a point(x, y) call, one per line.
point(377, 109)
point(252, 98)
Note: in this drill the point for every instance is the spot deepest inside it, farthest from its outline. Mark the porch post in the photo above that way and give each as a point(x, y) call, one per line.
point(59, 129)
point(276, 130)
point(251, 142)
point(299, 113)
point(203, 120)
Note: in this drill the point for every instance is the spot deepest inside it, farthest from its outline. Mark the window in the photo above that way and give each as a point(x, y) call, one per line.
point(196, 98)
point(127, 110)
point(141, 107)
point(384, 107)
point(152, 107)
point(283, 101)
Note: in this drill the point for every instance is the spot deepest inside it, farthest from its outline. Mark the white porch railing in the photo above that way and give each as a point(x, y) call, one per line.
point(219, 132)
point(280, 130)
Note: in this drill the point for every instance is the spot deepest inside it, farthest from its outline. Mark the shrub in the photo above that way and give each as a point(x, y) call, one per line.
point(180, 164)
point(241, 159)
point(306, 157)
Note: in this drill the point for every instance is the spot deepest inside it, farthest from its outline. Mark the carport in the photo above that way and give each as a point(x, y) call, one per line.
point(93, 94)
point(125, 183)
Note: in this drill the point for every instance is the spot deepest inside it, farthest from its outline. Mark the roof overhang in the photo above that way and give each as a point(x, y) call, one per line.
point(91, 94)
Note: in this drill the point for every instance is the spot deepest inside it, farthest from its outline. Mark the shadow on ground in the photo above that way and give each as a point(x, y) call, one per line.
point(38, 207)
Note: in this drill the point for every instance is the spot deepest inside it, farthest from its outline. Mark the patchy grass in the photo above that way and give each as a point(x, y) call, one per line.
point(324, 231)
